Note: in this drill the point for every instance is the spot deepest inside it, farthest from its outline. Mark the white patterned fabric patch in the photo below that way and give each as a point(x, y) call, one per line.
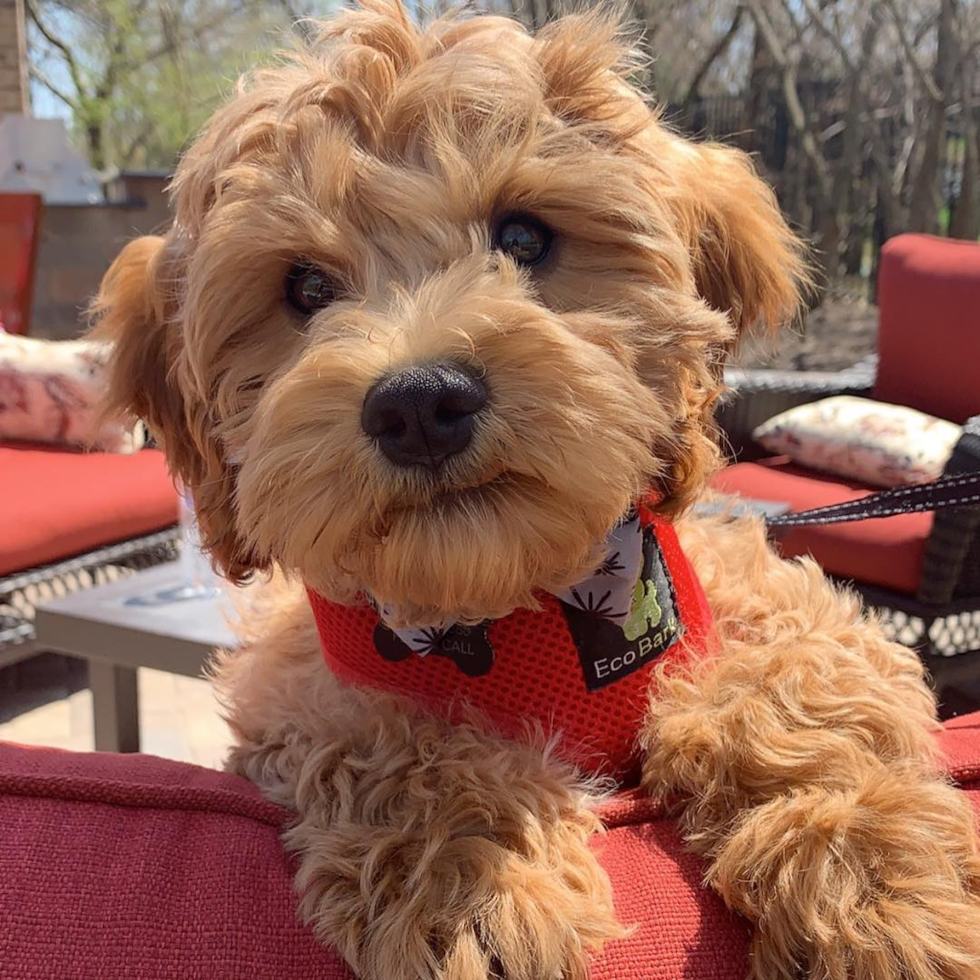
point(860, 439)
point(50, 392)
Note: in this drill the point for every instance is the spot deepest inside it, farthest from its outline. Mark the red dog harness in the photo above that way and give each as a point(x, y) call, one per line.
point(580, 666)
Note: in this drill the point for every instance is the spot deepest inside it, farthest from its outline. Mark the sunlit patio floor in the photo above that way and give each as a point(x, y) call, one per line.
point(48, 704)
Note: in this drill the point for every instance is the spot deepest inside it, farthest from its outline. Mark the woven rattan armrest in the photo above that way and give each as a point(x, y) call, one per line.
point(754, 396)
point(21, 591)
point(951, 565)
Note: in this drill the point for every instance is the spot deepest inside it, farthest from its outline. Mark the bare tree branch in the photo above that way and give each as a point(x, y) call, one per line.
point(59, 45)
point(816, 18)
point(176, 40)
point(718, 49)
point(794, 107)
point(922, 73)
point(39, 75)
point(923, 29)
point(926, 200)
point(137, 141)
point(297, 20)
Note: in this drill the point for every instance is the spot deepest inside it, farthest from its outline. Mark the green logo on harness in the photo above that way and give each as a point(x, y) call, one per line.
point(610, 650)
point(645, 612)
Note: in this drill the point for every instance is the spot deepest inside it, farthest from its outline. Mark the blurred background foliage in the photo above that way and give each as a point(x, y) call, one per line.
point(137, 78)
point(864, 114)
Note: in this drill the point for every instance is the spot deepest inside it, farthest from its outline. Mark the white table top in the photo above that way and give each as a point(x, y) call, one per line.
point(138, 621)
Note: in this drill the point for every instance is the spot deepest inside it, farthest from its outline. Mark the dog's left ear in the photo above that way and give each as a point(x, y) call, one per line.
point(747, 261)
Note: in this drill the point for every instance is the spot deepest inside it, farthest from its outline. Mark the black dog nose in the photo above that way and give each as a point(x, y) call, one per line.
point(423, 414)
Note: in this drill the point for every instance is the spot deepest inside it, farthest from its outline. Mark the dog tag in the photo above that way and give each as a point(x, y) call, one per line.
point(389, 645)
point(468, 647)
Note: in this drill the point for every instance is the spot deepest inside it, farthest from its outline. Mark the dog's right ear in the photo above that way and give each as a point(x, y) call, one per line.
point(130, 312)
point(136, 311)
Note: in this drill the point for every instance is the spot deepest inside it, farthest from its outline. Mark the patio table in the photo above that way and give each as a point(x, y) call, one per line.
point(138, 621)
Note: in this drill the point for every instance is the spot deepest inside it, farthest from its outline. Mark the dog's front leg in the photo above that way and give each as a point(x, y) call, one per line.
point(804, 750)
point(427, 851)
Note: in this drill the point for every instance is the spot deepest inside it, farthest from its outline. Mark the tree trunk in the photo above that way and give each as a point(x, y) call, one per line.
point(965, 219)
point(717, 51)
point(849, 190)
point(756, 100)
point(825, 221)
point(94, 137)
point(927, 199)
point(828, 242)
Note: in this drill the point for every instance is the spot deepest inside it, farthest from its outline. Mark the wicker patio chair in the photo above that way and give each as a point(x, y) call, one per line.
point(21, 592)
point(103, 541)
point(71, 520)
point(921, 571)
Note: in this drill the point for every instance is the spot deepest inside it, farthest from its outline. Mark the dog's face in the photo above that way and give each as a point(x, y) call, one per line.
point(438, 306)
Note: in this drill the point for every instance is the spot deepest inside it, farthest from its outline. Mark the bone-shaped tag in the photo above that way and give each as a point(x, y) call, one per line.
point(468, 647)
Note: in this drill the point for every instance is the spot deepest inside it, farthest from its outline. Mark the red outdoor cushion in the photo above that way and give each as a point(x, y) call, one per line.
point(929, 325)
point(885, 552)
point(130, 867)
point(55, 503)
point(20, 218)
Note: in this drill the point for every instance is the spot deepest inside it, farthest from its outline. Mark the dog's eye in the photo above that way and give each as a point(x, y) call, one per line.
point(309, 289)
point(526, 240)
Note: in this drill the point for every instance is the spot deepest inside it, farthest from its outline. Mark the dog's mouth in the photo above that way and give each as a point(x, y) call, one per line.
point(451, 494)
point(495, 482)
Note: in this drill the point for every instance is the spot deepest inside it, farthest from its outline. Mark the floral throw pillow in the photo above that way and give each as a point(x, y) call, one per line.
point(50, 392)
point(877, 444)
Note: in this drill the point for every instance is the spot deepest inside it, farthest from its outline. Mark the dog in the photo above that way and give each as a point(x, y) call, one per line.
point(442, 312)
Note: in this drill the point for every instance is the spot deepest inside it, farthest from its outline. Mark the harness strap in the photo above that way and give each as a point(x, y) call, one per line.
point(962, 490)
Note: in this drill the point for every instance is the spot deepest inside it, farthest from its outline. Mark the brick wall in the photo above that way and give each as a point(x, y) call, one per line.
point(14, 95)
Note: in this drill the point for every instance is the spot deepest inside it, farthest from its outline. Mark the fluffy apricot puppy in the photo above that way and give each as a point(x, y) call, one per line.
point(437, 332)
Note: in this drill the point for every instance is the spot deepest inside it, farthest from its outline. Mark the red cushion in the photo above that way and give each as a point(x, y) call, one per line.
point(929, 325)
point(886, 552)
point(19, 221)
point(57, 503)
point(125, 867)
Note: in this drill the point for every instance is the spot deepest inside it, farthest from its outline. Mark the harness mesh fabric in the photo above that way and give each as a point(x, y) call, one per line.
point(537, 674)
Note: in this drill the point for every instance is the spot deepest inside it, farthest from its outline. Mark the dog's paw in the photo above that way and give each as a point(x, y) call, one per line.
point(881, 883)
point(537, 927)
point(926, 937)
point(430, 906)
point(430, 852)
point(905, 937)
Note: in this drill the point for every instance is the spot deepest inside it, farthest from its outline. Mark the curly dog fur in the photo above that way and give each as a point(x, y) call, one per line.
point(382, 155)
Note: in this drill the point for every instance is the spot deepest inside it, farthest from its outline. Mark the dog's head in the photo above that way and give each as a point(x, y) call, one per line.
point(438, 305)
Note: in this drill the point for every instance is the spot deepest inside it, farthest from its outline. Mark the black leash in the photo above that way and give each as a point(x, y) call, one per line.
point(961, 490)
